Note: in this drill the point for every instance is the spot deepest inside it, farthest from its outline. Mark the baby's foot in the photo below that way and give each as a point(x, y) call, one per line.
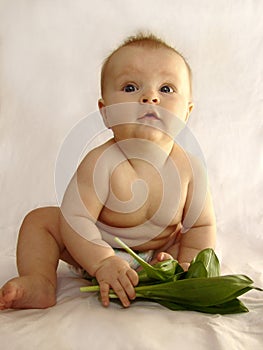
point(27, 292)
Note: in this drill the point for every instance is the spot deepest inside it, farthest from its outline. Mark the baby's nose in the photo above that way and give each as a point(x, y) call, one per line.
point(150, 98)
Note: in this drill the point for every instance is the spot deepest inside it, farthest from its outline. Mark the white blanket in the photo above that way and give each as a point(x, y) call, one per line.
point(51, 54)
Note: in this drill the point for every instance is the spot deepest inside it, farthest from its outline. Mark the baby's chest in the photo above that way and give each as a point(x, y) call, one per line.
point(152, 195)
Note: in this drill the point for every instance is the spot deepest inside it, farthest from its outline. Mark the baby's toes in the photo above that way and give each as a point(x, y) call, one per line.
point(8, 294)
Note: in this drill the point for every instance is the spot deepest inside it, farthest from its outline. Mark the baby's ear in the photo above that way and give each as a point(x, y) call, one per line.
point(101, 103)
point(103, 113)
point(190, 108)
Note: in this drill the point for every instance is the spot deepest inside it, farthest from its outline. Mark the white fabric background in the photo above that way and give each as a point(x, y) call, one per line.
point(50, 59)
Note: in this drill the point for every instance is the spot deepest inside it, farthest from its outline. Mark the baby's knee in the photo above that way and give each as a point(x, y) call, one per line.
point(45, 219)
point(42, 217)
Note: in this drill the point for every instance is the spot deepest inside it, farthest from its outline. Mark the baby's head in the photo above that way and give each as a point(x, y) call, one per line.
point(146, 70)
point(132, 54)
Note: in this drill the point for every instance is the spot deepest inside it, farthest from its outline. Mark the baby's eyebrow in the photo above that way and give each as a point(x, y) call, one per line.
point(128, 72)
point(123, 76)
point(168, 74)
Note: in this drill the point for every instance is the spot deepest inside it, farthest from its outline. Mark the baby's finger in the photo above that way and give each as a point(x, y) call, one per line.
point(118, 289)
point(133, 276)
point(127, 286)
point(164, 256)
point(104, 293)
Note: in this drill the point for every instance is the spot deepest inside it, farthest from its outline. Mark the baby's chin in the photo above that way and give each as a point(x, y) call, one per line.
point(141, 131)
point(142, 114)
point(152, 133)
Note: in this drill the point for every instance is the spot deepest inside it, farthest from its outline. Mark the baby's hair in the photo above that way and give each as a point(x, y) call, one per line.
point(144, 40)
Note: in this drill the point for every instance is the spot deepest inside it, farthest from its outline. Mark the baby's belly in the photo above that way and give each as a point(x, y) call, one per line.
point(161, 242)
point(148, 227)
point(141, 235)
point(168, 214)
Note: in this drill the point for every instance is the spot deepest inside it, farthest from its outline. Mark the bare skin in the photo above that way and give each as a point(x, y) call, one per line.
point(38, 252)
point(41, 245)
point(35, 288)
point(134, 74)
point(99, 259)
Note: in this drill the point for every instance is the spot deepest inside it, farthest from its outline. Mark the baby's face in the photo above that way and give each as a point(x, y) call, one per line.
point(150, 78)
point(148, 75)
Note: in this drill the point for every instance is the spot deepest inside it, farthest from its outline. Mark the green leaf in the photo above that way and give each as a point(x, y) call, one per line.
point(161, 271)
point(210, 261)
point(198, 291)
point(232, 307)
point(196, 270)
point(167, 284)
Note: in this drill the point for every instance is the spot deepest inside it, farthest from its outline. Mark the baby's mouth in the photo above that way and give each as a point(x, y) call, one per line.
point(150, 115)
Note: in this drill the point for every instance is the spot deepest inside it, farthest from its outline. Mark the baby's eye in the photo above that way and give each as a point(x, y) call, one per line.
point(130, 88)
point(166, 89)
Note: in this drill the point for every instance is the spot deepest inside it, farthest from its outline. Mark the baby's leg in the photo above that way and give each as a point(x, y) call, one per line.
point(38, 252)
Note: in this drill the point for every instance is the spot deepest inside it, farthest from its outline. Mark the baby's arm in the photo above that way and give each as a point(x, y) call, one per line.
point(199, 224)
point(200, 236)
point(198, 220)
point(80, 210)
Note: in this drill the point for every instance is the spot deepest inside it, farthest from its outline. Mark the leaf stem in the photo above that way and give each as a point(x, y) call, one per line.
point(142, 262)
point(90, 288)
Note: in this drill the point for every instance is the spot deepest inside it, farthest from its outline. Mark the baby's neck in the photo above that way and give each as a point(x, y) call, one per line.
point(144, 150)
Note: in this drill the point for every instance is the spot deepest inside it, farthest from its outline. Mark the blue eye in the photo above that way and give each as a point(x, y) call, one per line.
point(166, 89)
point(129, 88)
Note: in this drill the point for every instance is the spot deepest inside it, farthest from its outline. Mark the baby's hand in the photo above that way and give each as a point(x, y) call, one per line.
point(162, 256)
point(117, 274)
point(165, 256)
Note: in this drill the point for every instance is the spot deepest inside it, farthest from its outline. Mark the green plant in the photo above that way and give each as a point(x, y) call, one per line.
point(201, 288)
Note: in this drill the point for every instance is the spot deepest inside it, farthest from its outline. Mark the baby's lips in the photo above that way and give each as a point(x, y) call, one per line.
point(150, 113)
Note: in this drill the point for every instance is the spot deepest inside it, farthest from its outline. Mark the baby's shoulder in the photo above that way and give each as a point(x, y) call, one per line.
point(186, 161)
point(104, 154)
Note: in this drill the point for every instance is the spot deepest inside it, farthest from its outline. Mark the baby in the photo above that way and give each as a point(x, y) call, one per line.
point(140, 186)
